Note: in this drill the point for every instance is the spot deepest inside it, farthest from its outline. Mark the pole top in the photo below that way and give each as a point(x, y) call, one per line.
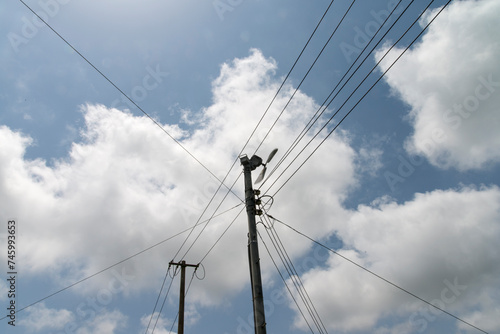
point(253, 162)
point(183, 264)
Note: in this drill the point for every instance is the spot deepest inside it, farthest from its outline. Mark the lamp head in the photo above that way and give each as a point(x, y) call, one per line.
point(255, 162)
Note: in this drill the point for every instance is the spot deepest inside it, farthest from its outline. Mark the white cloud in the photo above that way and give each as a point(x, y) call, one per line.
point(442, 246)
point(403, 328)
point(40, 318)
point(126, 185)
point(488, 316)
point(161, 325)
point(451, 81)
point(370, 160)
point(105, 322)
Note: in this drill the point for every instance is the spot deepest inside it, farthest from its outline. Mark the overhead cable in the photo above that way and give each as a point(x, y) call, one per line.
point(207, 221)
point(286, 284)
point(114, 265)
point(307, 73)
point(375, 274)
point(316, 117)
point(253, 132)
point(359, 100)
point(123, 93)
point(293, 273)
point(157, 299)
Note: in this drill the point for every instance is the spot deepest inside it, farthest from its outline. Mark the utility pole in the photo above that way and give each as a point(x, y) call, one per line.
point(180, 324)
point(253, 248)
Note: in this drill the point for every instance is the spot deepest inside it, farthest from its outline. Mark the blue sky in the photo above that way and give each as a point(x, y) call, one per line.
point(406, 187)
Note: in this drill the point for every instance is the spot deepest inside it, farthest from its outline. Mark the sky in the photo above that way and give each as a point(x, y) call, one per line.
point(388, 206)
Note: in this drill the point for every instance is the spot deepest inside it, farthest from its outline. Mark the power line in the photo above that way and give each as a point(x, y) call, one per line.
point(163, 304)
point(258, 124)
point(369, 271)
point(122, 92)
point(377, 80)
point(361, 99)
point(97, 273)
point(352, 93)
point(345, 258)
point(208, 220)
point(307, 73)
point(246, 143)
point(158, 124)
point(165, 299)
point(252, 133)
point(114, 265)
point(158, 298)
point(155, 122)
point(294, 275)
point(223, 233)
point(316, 117)
point(286, 78)
point(269, 106)
point(166, 132)
point(275, 123)
point(248, 140)
point(286, 284)
point(221, 182)
point(199, 234)
point(376, 275)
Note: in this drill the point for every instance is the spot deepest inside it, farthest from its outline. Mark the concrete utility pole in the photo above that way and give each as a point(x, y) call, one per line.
point(180, 324)
point(253, 248)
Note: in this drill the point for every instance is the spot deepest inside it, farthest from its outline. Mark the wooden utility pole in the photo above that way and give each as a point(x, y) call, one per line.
point(253, 248)
point(180, 327)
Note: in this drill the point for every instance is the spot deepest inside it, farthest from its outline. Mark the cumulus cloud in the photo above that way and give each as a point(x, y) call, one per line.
point(160, 324)
point(487, 317)
point(125, 186)
point(451, 82)
point(441, 246)
point(40, 318)
point(106, 322)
